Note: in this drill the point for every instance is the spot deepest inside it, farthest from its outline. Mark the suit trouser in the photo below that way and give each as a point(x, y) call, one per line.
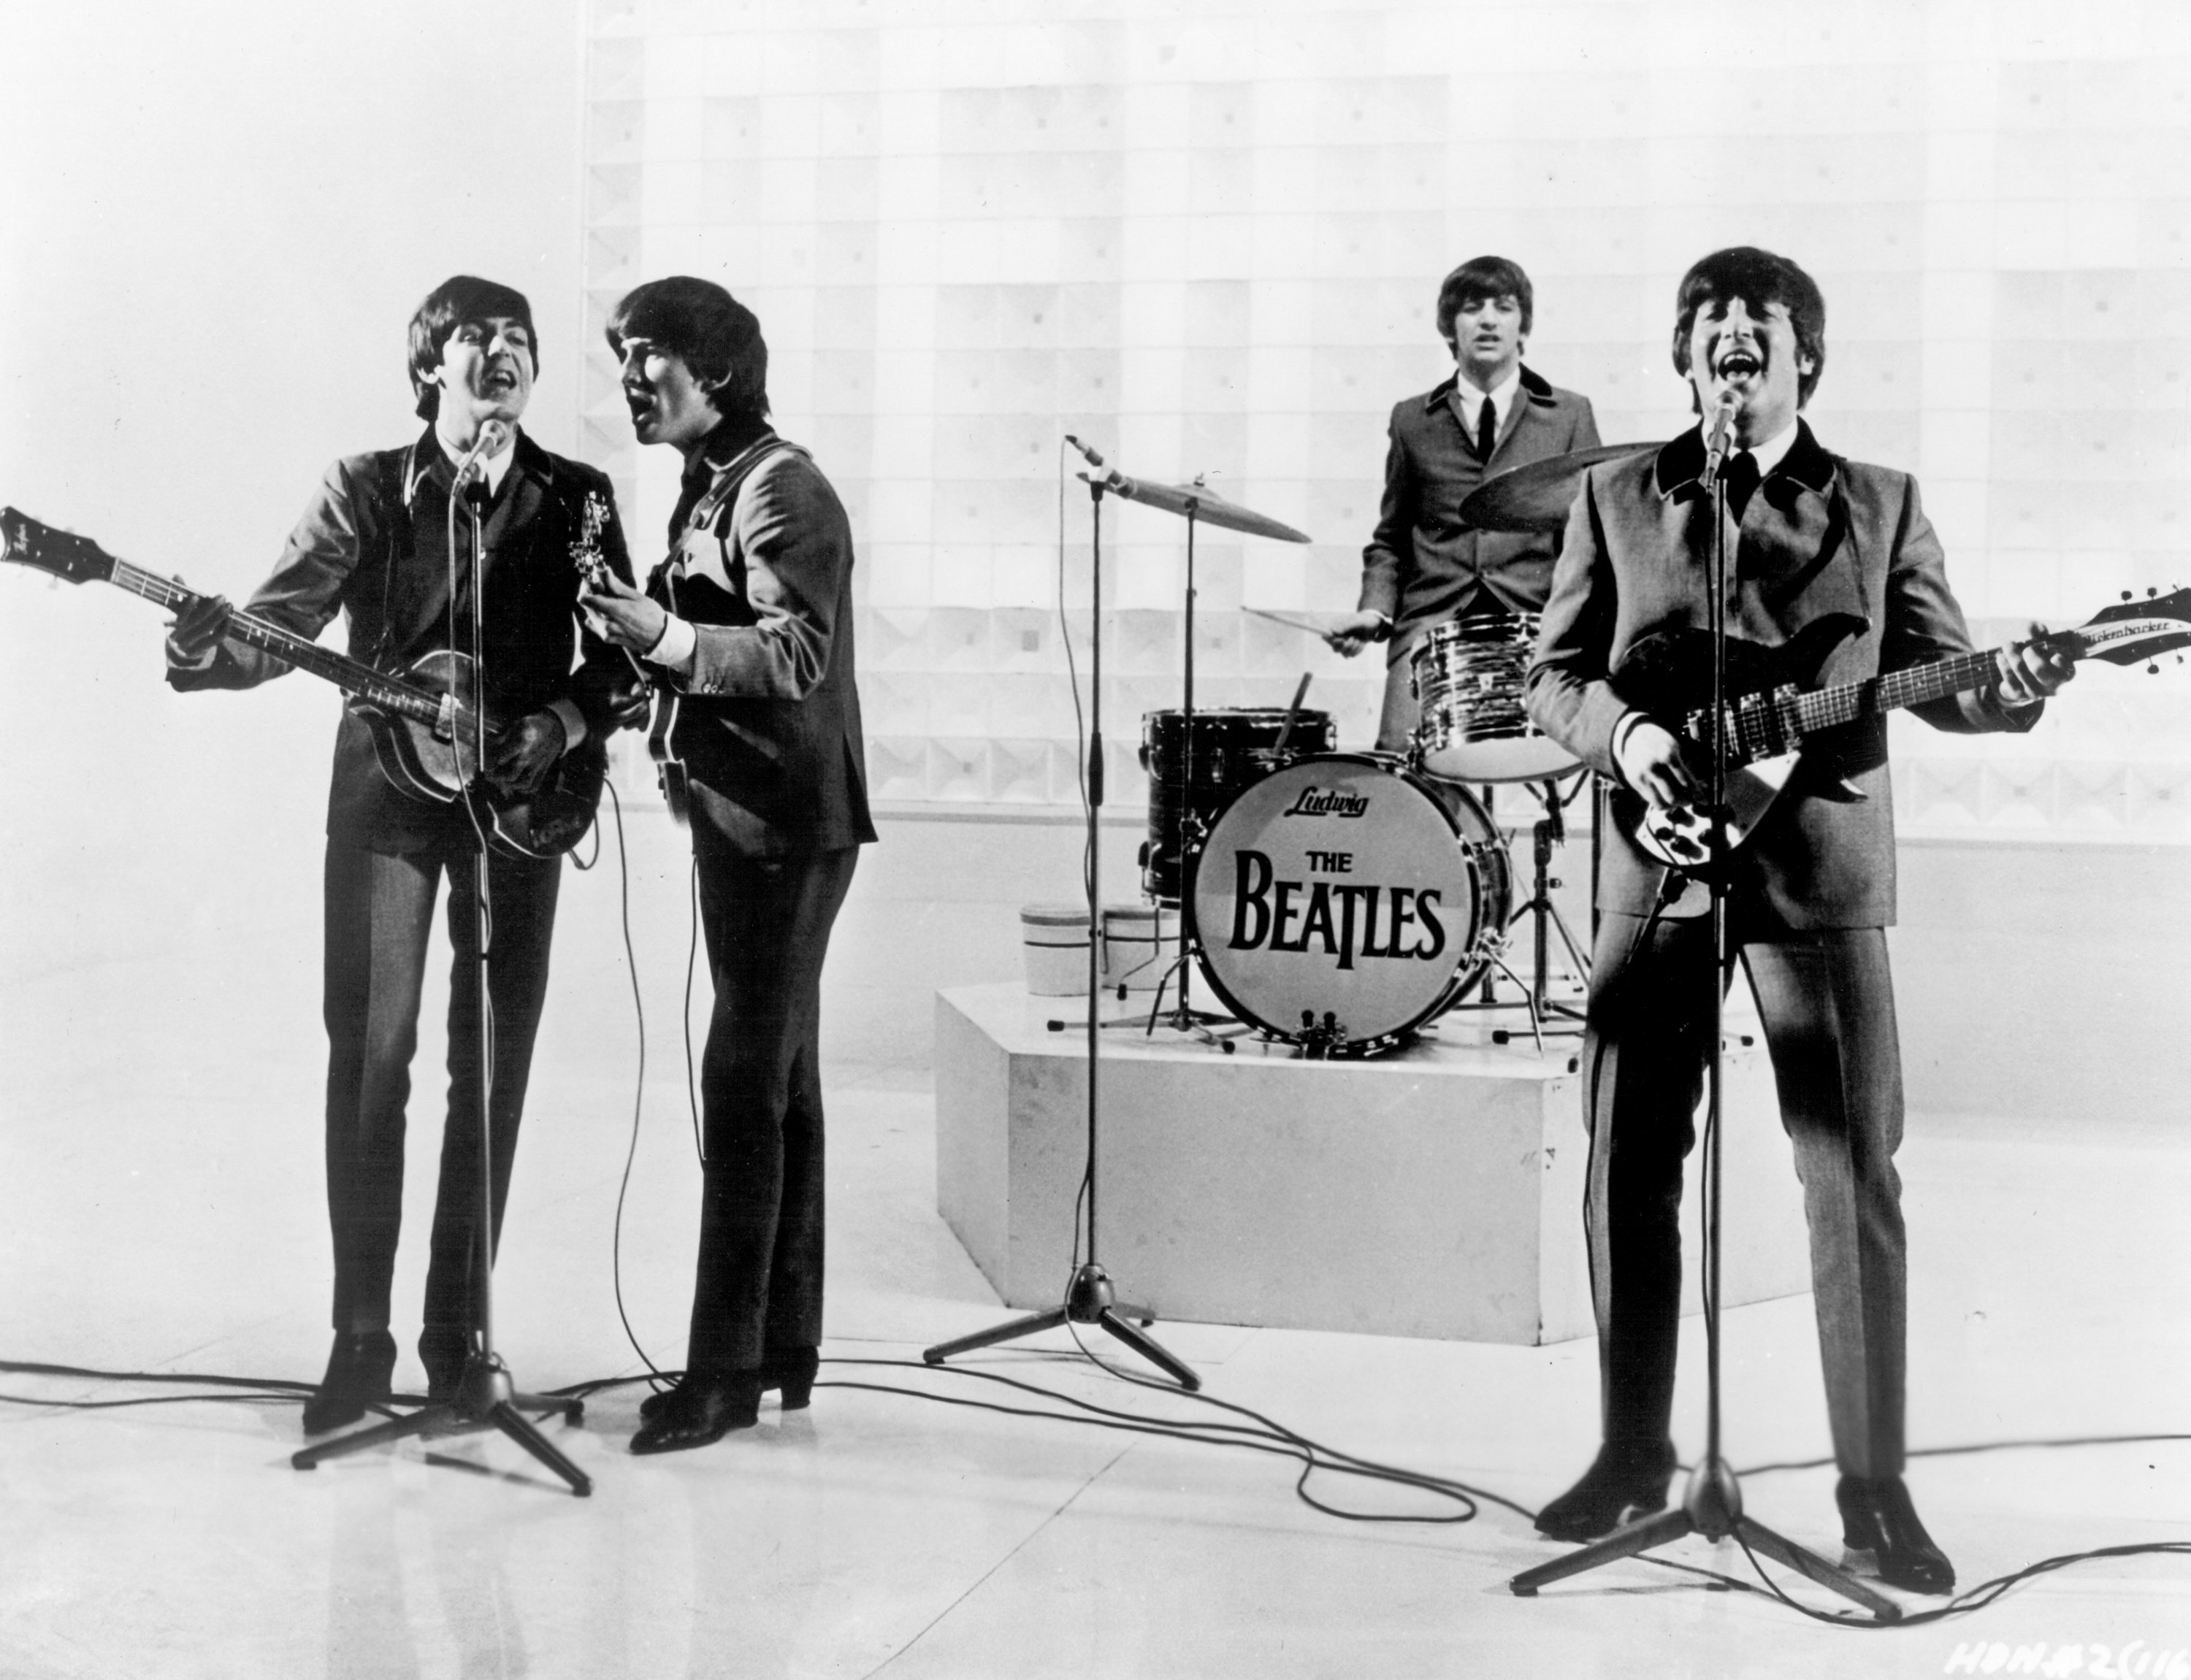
point(757, 1284)
point(1827, 1003)
point(379, 913)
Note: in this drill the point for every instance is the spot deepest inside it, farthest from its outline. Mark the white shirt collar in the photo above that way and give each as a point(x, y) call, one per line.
point(1501, 399)
point(497, 467)
point(1767, 455)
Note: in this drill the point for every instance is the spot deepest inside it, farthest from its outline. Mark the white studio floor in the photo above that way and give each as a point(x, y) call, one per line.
point(162, 1219)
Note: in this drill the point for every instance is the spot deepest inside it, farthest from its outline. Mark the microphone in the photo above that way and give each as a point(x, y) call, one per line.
point(1110, 472)
point(1715, 452)
point(494, 438)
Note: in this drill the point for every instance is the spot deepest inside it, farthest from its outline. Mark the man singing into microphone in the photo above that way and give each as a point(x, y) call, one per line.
point(374, 544)
point(1810, 536)
point(1425, 567)
point(750, 622)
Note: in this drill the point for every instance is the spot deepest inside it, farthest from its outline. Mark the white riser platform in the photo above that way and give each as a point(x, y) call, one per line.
point(1437, 1192)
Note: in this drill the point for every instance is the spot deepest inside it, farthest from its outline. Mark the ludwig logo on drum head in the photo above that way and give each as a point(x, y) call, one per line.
point(1321, 802)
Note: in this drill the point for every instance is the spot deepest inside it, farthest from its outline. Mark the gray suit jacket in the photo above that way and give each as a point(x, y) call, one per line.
point(1423, 561)
point(1821, 535)
point(769, 727)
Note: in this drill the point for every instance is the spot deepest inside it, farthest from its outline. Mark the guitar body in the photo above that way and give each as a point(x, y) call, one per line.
point(1670, 676)
point(429, 761)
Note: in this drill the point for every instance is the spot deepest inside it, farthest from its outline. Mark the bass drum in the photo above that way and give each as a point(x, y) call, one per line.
point(1344, 900)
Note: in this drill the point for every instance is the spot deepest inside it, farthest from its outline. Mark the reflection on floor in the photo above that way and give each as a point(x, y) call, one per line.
point(156, 1223)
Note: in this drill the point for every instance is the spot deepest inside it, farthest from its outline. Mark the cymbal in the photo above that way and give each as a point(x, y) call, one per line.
point(1537, 497)
point(1207, 506)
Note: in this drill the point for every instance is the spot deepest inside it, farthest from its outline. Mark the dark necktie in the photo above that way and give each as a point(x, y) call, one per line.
point(1741, 478)
point(1487, 430)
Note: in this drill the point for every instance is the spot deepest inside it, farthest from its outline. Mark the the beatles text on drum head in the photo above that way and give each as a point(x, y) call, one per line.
point(1344, 920)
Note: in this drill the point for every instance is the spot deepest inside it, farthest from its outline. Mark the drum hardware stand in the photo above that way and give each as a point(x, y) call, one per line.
point(1090, 1298)
point(1712, 1504)
point(1549, 832)
point(485, 1397)
point(1185, 1017)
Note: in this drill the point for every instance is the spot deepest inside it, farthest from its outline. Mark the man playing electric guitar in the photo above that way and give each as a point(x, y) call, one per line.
point(375, 544)
point(1809, 537)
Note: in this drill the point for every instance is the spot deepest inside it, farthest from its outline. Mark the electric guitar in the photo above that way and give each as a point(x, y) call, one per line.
point(426, 728)
point(669, 768)
point(1770, 712)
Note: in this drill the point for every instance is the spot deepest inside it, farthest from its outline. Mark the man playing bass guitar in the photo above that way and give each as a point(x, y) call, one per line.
point(1810, 536)
point(375, 544)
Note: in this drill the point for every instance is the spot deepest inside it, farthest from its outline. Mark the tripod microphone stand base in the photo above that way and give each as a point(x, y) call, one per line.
point(1711, 1507)
point(1088, 1299)
point(485, 1400)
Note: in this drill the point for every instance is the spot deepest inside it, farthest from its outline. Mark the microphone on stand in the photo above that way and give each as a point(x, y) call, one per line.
point(471, 469)
point(1715, 452)
point(1110, 472)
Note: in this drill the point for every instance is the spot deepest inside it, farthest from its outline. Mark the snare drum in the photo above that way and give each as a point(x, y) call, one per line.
point(1232, 746)
point(1468, 676)
point(1343, 900)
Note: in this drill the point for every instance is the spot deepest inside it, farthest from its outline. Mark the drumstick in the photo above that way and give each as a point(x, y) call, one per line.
point(1292, 713)
point(1290, 622)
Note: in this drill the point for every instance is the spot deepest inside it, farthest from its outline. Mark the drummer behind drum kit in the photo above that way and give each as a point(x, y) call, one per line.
point(1341, 901)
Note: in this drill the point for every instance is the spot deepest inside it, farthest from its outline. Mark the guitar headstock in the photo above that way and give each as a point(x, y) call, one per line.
point(63, 554)
point(586, 548)
point(2136, 630)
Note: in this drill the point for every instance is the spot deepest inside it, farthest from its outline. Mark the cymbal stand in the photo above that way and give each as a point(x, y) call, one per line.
point(1712, 1505)
point(486, 1398)
point(1090, 1298)
point(1185, 1017)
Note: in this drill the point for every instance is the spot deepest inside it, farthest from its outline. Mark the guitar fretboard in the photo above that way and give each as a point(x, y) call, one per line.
point(389, 693)
point(1846, 702)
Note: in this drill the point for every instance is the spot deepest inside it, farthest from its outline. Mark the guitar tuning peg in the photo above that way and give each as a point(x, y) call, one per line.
point(2126, 594)
point(2153, 670)
point(2153, 593)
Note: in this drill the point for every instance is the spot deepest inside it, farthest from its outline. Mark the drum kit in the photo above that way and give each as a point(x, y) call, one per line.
point(1342, 901)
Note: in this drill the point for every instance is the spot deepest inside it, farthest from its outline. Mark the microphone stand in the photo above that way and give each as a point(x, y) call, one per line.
point(486, 1398)
point(1090, 1298)
point(1712, 1505)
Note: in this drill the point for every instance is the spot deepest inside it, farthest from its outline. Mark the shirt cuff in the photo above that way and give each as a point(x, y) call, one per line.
point(1621, 731)
point(675, 647)
point(572, 719)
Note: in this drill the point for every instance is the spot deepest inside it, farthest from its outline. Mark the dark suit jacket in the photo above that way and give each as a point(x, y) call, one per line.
point(769, 726)
point(1821, 534)
point(1423, 561)
point(373, 545)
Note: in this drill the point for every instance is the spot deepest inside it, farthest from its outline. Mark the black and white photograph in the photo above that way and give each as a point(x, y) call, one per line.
point(1095, 839)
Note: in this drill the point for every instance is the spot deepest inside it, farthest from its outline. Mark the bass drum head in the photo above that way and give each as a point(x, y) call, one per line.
point(1343, 901)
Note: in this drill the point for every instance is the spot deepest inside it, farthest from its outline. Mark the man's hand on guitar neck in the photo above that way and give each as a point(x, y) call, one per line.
point(2030, 671)
point(1654, 761)
point(198, 629)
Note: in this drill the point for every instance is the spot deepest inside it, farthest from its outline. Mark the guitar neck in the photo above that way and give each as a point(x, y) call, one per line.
point(1846, 702)
point(351, 676)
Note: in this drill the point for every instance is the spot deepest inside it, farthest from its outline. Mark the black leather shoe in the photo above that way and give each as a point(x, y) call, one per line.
point(443, 1349)
point(699, 1410)
point(358, 1370)
point(1622, 1484)
point(791, 1369)
point(1883, 1537)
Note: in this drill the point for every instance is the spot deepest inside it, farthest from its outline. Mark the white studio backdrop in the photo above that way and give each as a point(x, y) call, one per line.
point(1207, 237)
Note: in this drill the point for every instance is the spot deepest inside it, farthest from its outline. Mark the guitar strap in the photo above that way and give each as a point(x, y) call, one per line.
point(716, 512)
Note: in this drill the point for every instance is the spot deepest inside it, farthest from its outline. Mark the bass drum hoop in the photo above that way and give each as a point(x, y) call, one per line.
point(1488, 873)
